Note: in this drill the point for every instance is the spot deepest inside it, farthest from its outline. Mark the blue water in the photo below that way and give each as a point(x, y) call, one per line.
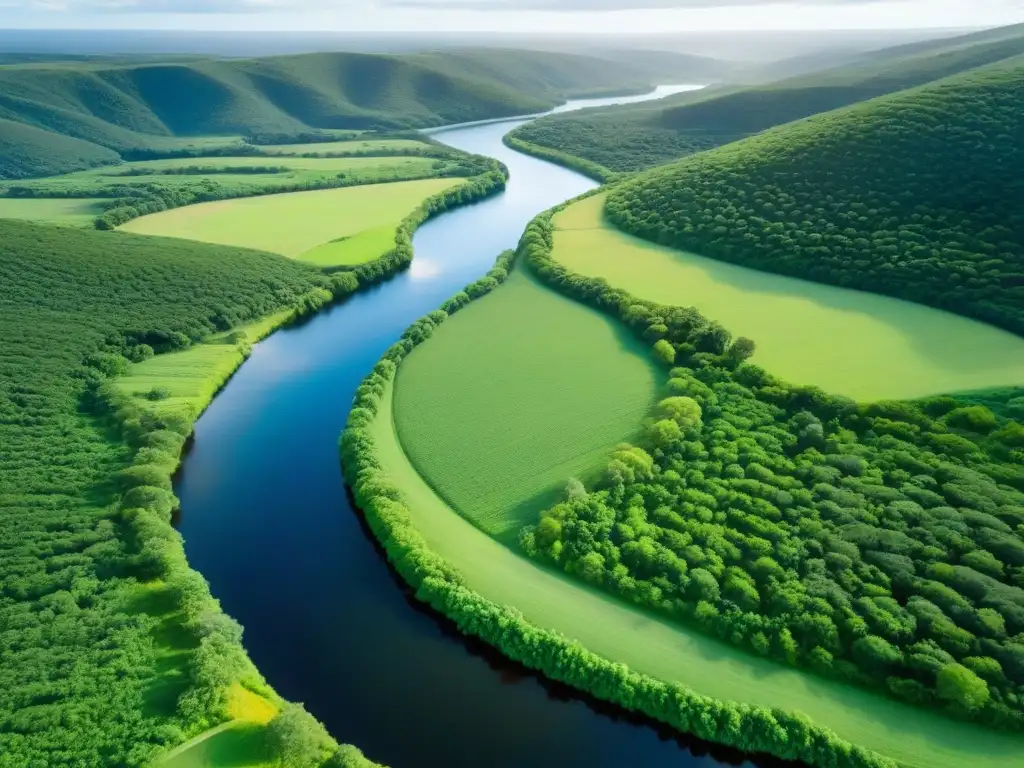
point(266, 520)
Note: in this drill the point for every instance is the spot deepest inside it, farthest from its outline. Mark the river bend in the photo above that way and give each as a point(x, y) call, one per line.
point(266, 520)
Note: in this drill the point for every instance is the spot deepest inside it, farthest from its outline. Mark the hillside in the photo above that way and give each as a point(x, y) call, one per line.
point(112, 647)
point(915, 195)
point(630, 139)
point(136, 106)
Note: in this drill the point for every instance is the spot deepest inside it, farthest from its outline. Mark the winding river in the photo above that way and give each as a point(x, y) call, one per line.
point(266, 519)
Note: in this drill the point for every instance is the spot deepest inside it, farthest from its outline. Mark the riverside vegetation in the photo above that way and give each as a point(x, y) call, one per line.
point(878, 544)
point(95, 579)
point(606, 142)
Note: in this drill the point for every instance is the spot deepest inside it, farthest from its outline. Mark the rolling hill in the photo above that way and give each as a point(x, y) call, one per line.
point(630, 139)
point(915, 195)
point(125, 107)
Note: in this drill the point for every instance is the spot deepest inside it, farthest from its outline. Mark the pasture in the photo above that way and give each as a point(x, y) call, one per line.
point(296, 223)
point(189, 379)
point(915, 737)
point(70, 211)
point(515, 394)
point(858, 344)
point(343, 147)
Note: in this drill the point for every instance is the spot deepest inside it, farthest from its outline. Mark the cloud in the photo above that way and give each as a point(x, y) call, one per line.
point(299, 6)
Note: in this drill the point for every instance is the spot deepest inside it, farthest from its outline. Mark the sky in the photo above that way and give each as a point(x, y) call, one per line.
point(555, 16)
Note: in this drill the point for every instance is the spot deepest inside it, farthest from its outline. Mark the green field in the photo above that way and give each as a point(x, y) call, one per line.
point(343, 147)
point(298, 223)
point(192, 377)
point(71, 211)
point(917, 738)
point(287, 171)
point(858, 344)
point(502, 406)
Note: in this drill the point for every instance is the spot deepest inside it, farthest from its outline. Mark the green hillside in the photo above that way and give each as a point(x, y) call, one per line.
point(634, 138)
point(29, 151)
point(125, 107)
point(915, 195)
point(112, 647)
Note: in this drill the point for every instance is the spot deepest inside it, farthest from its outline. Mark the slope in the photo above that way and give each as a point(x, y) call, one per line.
point(113, 649)
point(630, 139)
point(132, 107)
point(914, 195)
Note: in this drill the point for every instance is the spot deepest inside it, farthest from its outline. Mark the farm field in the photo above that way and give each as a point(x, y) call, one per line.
point(500, 408)
point(70, 211)
point(342, 147)
point(916, 738)
point(189, 379)
point(865, 346)
point(287, 170)
point(298, 223)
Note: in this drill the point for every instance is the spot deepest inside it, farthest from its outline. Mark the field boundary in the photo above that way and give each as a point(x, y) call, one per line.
point(759, 730)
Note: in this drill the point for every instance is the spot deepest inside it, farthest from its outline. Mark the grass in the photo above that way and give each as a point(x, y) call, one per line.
point(502, 406)
point(193, 376)
point(861, 345)
point(98, 181)
point(297, 223)
point(75, 212)
point(353, 249)
point(343, 147)
point(916, 738)
point(239, 743)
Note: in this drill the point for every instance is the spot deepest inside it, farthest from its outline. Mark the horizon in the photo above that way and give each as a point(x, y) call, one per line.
point(538, 17)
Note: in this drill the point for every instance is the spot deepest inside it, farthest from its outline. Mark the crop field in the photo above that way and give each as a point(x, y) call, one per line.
point(73, 211)
point(853, 343)
point(504, 403)
point(916, 737)
point(189, 379)
point(296, 223)
point(342, 147)
point(287, 170)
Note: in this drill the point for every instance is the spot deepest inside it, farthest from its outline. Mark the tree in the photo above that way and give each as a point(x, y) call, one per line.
point(296, 739)
point(960, 685)
point(741, 349)
point(665, 352)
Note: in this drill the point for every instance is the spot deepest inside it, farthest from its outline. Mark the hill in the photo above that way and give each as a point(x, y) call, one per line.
point(112, 648)
point(633, 138)
point(125, 107)
point(914, 195)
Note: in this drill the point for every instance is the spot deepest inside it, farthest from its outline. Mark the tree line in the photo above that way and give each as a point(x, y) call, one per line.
point(437, 583)
point(881, 544)
point(915, 195)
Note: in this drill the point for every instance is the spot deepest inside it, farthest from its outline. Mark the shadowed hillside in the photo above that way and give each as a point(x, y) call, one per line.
point(916, 195)
point(634, 138)
point(139, 106)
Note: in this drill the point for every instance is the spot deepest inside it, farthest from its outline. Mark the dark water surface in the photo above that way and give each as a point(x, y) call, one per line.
point(266, 520)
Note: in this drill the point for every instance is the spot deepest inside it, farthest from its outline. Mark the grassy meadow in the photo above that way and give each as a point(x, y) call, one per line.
point(916, 738)
point(857, 344)
point(503, 405)
point(299, 223)
point(189, 379)
point(79, 212)
point(354, 146)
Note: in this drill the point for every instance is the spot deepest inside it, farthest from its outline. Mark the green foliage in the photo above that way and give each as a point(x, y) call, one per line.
point(958, 684)
point(73, 117)
point(875, 544)
point(436, 583)
point(631, 138)
point(886, 196)
point(85, 517)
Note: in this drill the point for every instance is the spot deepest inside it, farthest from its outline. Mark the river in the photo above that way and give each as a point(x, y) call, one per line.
point(266, 520)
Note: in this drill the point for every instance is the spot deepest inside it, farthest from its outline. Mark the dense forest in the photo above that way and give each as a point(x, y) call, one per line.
point(915, 195)
point(881, 544)
point(624, 139)
point(111, 647)
point(132, 108)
